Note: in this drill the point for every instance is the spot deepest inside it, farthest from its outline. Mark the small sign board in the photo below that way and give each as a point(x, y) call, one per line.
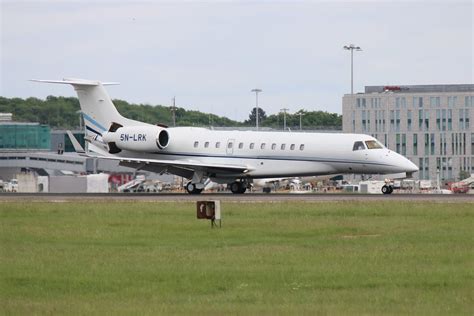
point(210, 210)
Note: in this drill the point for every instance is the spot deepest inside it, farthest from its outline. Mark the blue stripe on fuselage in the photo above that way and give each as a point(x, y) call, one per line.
point(92, 130)
point(91, 120)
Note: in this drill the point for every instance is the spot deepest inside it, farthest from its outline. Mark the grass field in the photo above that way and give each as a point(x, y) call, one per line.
point(273, 258)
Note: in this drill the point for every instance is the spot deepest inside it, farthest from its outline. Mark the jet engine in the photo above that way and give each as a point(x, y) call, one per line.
point(146, 138)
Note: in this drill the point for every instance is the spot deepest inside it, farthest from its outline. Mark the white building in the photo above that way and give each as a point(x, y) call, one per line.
point(6, 117)
point(432, 125)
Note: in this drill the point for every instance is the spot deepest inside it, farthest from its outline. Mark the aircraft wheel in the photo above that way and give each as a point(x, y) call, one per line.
point(237, 188)
point(191, 188)
point(387, 189)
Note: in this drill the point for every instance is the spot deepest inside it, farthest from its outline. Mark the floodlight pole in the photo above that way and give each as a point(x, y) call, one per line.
point(173, 109)
point(256, 90)
point(352, 47)
point(284, 110)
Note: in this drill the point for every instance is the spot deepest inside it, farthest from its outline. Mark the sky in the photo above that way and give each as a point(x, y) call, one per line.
point(211, 54)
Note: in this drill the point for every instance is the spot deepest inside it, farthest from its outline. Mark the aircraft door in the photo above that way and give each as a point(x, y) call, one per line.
point(230, 147)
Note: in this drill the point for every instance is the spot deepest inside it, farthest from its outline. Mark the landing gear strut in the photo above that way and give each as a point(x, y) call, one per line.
point(238, 187)
point(192, 189)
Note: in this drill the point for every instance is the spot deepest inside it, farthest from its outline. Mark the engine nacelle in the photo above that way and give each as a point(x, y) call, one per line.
point(137, 138)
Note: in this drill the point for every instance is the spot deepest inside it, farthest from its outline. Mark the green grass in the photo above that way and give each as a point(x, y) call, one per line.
point(275, 258)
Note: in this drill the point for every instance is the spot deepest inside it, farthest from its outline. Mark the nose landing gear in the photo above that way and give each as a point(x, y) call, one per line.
point(388, 187)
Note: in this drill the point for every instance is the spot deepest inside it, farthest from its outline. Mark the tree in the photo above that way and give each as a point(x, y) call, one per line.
point(253, 115)
point(61, 112)
point(463, 174)
point(310, 120)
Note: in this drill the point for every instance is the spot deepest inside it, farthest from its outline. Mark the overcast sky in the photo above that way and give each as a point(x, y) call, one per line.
point(210, 54)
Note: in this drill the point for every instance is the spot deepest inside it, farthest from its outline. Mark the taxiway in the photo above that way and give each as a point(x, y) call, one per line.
point(251, 197)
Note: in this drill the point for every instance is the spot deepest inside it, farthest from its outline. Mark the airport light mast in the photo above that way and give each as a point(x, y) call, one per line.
point(301, 115)
point(284, 110)
point(256, 105)
point(173, 110)
point(352, 47)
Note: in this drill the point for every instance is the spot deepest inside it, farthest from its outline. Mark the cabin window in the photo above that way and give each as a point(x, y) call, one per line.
point(283, 146)
point(196, 144)
point(206, 144)
point(274, 146)
point(292, 147)
point(373, 144)
point(358, 146)
point(302, 147)
point(252, 145)
point(241, 145)
point(218, 144)
point(262, 146)
point(230, 144)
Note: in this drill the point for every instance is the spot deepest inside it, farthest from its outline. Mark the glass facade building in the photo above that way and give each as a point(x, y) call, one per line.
point(432, 125)
point(27, 136)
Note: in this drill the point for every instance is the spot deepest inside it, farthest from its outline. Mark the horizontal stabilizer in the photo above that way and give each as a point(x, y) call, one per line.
point(77, 147)
point(77, 82)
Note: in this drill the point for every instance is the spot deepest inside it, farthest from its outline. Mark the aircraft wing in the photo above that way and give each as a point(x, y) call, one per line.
point(184, 168)
point(187, 164)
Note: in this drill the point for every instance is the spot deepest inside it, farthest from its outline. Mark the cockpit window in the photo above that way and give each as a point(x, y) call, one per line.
point(358, 146)
point(373, 144)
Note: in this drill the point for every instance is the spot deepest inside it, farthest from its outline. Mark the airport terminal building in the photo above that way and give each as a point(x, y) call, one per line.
point(432, 125)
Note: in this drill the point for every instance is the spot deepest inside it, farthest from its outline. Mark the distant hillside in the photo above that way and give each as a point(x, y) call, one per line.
point(62, 112)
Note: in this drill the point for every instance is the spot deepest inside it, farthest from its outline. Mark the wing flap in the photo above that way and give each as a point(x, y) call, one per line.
point(183, 164)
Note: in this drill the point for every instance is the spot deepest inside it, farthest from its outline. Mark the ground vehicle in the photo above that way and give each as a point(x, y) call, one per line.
point(12, 186)
point(458, 187)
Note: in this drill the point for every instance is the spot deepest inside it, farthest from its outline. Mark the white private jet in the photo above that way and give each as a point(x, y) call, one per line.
point(232, 157)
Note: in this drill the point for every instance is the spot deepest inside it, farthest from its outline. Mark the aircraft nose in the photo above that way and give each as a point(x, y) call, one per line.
point(404, 164)
point(410, 166)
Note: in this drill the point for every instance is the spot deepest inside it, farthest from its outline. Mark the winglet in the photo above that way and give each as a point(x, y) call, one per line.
point(77, 147)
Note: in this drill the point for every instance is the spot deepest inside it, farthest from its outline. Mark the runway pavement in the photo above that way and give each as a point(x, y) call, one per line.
point(249, 197)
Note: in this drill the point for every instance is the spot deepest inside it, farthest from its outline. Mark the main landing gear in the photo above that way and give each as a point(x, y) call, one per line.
point(238, 187)
point(235, 187)
point(199, 182)
point(192, 189)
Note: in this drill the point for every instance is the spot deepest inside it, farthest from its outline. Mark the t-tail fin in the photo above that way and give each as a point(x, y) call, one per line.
point(96, 106)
